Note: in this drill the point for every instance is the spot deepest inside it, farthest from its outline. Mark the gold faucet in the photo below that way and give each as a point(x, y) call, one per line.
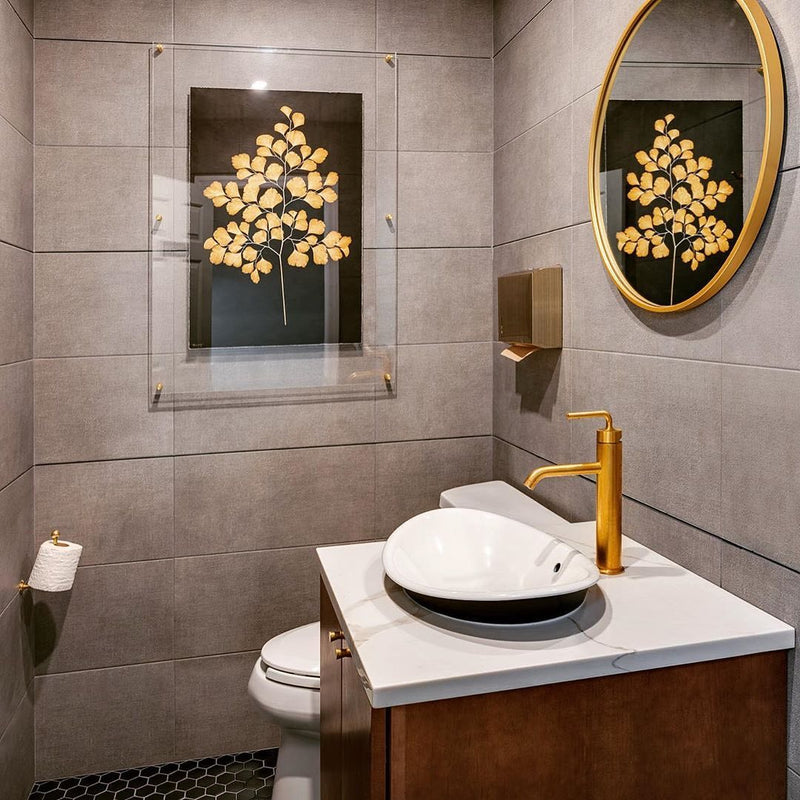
point(608, 469)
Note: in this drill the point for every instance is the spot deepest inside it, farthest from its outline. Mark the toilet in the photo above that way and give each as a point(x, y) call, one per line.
point(284, 683)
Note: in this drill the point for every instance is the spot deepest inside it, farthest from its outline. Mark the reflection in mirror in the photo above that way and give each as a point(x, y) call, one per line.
point(682, 147)
point(275, 239)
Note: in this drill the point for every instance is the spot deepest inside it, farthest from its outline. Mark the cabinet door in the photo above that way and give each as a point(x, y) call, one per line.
point(330, 703)
point(363, 740)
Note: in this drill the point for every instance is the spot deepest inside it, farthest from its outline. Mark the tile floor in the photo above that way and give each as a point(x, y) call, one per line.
point(245, 776)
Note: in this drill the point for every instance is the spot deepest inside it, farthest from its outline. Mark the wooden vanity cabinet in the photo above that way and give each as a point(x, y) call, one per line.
point(353, 734)
point(703, 731)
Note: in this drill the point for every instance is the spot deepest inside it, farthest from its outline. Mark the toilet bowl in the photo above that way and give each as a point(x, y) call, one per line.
point(284, 683)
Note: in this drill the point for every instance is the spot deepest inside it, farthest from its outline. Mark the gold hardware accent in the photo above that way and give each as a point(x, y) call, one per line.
point(159, 388)
point(389, 218)
point(335, 636)
point(159, 48)
point(159, 218)
point(388, 58)
point(770, 161)
point(608, 469)
point(22, 586)
point(54, 536)
point(343, 652)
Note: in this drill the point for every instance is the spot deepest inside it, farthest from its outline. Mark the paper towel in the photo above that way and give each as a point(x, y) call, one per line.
point(55, 566)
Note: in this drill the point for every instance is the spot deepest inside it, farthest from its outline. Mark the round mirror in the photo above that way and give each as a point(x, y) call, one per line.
point(685, 149)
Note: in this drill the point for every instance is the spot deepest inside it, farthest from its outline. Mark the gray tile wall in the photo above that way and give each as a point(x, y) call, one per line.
point(707, 399)
point(199, 526)
point(16, 398)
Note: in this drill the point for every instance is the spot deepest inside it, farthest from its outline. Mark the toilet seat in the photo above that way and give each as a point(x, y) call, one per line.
point(292, 658)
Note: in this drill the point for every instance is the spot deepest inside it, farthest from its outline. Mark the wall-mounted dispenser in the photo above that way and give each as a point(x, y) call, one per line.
point(55, 566)
point(530, 311)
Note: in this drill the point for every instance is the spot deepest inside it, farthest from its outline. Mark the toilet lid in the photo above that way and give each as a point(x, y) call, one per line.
point(295, 652)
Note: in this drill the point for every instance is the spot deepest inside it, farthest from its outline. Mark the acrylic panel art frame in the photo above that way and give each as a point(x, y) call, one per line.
point(256, 195)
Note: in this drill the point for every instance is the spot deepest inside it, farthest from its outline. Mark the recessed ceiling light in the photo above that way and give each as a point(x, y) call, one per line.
point(259, 85)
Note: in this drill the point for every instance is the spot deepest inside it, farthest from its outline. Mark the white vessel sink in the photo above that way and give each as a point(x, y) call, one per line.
point(482, 567)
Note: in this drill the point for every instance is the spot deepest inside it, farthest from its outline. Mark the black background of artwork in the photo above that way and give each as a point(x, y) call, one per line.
point(715, 127)
point(226, 308)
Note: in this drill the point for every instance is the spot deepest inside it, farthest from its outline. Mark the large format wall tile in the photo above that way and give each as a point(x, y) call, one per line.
point(234, 502)
point(444, 295)
point(412, 475)
point(786, 26)
point(16, 541)
point(571, 498)
point(760, 303)
point(531, 400)
point(90, 409)
point(17, 752)
point(532, 73)
point(444, 200)
point(694, 549)
point(111, 718)
point(597, 27)
point(110, 20)
point(235, 602)
point(16, 665)
point(761, 437)
point(265, 427)
point(118, 510)
point(80, 99)
point(443, 391)
point(445, 104)
point(213, 712)
point(511, 16)
point(90, 304)
point(793, 780)
point(115, 614)
point(16, 304)
point(331, 25)
point(16, 420)
point(669, 411)
point(24, 9)
point(445, 28)
point(82, 205)
point(16, 69)
point(16, 187)
point(582, 120)
point(532, 181)
point(776, 590)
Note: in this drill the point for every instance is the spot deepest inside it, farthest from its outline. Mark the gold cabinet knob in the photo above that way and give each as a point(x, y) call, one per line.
point(335, 636)
point(343, 652)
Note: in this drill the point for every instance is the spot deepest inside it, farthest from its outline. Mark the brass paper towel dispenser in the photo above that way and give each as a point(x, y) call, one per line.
point(530, 311)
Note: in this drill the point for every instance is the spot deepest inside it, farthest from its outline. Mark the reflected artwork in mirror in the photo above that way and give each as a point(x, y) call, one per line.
point(275, 217)
point(685, 149)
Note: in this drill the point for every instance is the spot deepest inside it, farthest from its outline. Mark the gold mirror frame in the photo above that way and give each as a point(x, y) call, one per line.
point(770, 161)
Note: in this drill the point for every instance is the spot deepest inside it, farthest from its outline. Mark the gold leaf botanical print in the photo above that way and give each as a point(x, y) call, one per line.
point(282, 182)
point(678, 187)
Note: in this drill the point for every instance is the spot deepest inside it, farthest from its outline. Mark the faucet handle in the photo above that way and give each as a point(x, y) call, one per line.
point(607, 435)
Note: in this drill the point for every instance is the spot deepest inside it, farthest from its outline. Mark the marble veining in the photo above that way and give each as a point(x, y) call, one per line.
point(656, 614)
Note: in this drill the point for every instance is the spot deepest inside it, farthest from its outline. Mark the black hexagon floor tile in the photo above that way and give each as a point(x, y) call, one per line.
point(244, 776)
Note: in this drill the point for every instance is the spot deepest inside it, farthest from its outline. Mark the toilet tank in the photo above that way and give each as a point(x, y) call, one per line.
point(500, 497)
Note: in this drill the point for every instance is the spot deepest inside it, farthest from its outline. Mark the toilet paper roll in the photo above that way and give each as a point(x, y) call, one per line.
point(55, 566)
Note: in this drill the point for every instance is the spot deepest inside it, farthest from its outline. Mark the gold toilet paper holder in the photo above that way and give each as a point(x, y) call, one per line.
point(23, 585)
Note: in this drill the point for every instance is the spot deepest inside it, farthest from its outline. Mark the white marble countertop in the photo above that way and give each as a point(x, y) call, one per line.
point(656, 614)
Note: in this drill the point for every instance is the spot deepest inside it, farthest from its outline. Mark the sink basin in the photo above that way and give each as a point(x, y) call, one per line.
point(483, 567)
